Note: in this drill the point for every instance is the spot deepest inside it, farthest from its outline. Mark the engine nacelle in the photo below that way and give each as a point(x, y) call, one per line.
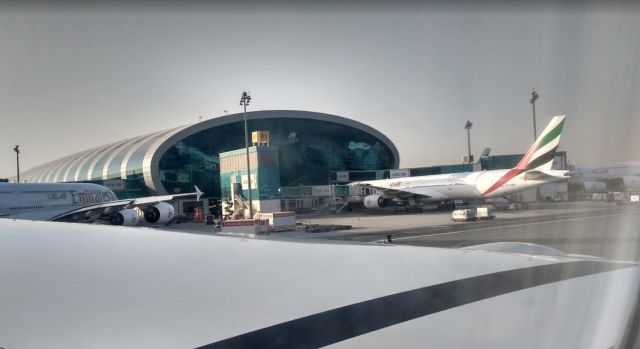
point(631, 182)
point(126, 217)
point(595, 187)
point(161, 213)
point(375, 201)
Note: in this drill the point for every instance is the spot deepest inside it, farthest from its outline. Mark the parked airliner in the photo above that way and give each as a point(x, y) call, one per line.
point(610, 177)
point(534, 169)
point(82, 202)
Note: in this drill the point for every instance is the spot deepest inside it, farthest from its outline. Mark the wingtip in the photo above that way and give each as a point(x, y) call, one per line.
point(199, 193)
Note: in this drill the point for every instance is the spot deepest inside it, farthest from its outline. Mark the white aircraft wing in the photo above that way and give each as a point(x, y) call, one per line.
point(35, 215)
point(404, 193)
point(155, 199)
point(92, 212)
point(546, 175)
point(87, 286)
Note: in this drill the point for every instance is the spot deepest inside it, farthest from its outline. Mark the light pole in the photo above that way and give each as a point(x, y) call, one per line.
point(467, 127)
point(244, 101)
point(17, 150)
point(534, 97)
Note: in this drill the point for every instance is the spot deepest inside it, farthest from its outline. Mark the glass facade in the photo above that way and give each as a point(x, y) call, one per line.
point(57, 169)
point(83, 166)
point(264, 172)
point(308, 151)
point(302, 191)
point(114, 167)
point(69, 173)
point(310, 145)
point(96, 171)
point(134, 164)
point(442, 169)
point(500, 162)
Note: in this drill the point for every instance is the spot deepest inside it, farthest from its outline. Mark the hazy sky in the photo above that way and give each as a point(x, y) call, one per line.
point(76, 77)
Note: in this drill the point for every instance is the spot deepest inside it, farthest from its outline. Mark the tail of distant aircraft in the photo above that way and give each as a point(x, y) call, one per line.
point(538, 160)
point(540, 155)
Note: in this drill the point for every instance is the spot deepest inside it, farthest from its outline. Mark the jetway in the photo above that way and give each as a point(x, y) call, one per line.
point(319, 198)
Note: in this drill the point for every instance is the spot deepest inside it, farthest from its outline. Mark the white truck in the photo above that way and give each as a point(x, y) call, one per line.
point(472, 214)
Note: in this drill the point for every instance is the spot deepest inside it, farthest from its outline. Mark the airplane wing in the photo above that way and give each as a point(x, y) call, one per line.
point(392, 193)
point(85, 286)
point(405, 193)
point(92, 212)
point(546, 174)
point(156, 199)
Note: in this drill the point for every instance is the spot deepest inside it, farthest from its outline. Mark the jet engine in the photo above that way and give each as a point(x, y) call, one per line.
point(375, 201)
point(161, 213)
point(124, 217)
point(595, 187)
point(631, 182)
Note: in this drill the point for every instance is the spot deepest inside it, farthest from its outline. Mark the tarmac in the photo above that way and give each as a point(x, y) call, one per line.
point(587, 228)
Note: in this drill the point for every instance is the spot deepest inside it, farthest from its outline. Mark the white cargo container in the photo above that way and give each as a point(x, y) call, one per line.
point(484, 213)
point(472, 214)
point(463, 215)
point(280, 221)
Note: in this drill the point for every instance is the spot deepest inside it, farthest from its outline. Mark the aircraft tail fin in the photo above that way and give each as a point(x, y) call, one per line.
point(540, 155)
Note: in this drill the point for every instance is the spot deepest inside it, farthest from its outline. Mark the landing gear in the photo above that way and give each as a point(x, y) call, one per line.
point(447, 206)
point(516, 205)
point(413, 209)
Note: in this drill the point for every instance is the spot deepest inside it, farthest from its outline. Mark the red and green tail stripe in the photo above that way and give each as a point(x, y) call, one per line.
point(532, 159)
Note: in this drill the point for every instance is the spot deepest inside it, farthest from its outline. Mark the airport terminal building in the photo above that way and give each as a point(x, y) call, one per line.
point(310, 146)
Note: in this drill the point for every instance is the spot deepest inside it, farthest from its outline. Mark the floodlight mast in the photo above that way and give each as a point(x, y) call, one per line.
point(467, 127)
point(244, 101)
point(17, 150)
point(534, 97)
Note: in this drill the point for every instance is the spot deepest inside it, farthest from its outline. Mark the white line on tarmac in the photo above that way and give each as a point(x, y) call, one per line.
point(502, 226)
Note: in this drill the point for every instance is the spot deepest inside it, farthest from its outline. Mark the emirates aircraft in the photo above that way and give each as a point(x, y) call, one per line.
point(610, 177)
point(84, 203)
point(533, 170)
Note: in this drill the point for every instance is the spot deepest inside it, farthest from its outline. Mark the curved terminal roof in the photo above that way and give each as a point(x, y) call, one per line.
point(116, 159)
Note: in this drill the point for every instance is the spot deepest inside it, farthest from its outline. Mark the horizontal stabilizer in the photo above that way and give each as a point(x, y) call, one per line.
point(546, 175)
